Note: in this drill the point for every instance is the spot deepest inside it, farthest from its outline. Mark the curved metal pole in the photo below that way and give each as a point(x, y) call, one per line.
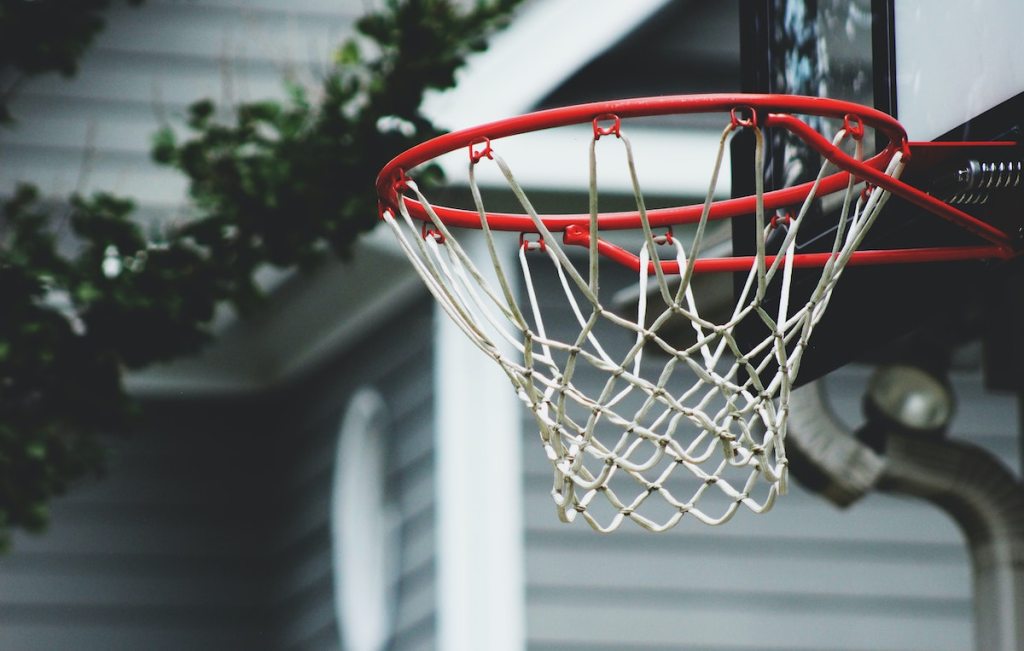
point(975, 488)
point(987, 502)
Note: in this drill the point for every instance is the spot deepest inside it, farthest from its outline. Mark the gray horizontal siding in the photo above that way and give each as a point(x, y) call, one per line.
point(400, 368)
point(93, 131)
point(165, 553)
point(736, 625)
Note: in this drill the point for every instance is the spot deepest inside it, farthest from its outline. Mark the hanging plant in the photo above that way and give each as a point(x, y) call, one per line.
point(284, 183)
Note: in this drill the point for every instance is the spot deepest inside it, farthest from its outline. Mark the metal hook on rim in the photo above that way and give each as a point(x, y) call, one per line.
point(429, 232)
point(853, 125)
point(738, 121)
point(532, 245)
point(614, 130)
point(784, 218)
point(476, 154)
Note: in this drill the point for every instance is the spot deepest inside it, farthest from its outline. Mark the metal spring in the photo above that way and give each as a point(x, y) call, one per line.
point(969, 198)
point(978, 179)
point(1000, 175)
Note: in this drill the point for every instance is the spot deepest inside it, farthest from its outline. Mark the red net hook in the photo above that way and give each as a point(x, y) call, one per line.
point(738, 121)
point(532, 245)
point(429, 232)
point(853, 125)
point(865, 194)
point(613, 130)
point(480, 148)
point(400, 183)
point(781, 218)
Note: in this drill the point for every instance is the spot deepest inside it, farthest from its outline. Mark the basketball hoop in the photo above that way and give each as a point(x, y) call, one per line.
point(703, 432)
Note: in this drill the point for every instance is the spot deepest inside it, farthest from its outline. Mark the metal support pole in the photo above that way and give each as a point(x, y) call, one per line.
point(983, 496)
point(987, 502)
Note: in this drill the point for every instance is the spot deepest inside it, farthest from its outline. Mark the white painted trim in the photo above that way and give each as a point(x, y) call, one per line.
point(564, 35)
point(306, 321)
point(378, 307)
point(561, 36)
point(669, 162)
point(364, 525)
point(480, 557)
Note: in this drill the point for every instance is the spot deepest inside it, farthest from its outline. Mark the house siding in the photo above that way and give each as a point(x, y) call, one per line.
point(166, 552)
point(399, 367)
point(212, 529)
point(93, 132)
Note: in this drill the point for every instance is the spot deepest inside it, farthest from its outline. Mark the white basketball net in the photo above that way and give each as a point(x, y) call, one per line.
point(667, 431)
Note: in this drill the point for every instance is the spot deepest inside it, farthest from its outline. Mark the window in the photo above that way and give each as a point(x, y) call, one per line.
point(364, 527)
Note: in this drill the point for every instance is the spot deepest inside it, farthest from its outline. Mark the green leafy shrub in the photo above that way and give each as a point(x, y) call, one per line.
point(280, 183)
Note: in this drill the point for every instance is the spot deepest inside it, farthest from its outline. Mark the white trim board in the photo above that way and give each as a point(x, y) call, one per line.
point(548, 41)
point(480, 547)
point(305, 321)
point(669, 162)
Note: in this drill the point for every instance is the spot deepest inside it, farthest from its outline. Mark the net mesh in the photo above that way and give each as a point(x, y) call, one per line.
point(665, 431)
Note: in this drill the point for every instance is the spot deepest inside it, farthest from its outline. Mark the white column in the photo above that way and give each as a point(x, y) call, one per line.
point(481, 595)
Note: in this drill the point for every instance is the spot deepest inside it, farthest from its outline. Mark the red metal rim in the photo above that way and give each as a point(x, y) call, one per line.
point(764, 110)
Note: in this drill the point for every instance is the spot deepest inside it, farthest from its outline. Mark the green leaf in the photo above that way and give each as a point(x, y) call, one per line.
point(200, 113)
point(348, 54)
point(36, 450)
point(270, 182)
point(86, 293)
point(163, 146)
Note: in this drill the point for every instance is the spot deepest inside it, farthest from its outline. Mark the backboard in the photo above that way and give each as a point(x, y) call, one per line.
point(946, 70)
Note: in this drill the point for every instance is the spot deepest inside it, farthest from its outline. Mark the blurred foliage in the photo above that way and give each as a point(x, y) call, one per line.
point(281, 183)
point(40, 36)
